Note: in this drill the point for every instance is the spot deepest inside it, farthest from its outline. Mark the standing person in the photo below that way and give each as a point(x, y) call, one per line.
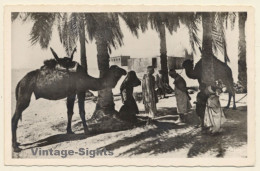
point(181, 93)
point(214, 116)
point(160, 85)
point(149, 95)
point(129, 110)
point(201, 102)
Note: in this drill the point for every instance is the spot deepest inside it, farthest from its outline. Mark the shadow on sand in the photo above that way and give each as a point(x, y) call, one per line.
point(156, 139)
point(54, 139)
point(234, 135)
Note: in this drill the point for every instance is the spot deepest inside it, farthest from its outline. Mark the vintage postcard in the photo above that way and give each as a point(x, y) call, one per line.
point(138, 85)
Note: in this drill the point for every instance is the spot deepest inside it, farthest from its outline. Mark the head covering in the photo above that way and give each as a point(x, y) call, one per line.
point(150, 68)
point(130, 80)
point(172, 71)
point(210, 89)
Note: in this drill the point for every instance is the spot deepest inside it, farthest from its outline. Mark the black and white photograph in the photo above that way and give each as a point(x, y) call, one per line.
point(130, 84)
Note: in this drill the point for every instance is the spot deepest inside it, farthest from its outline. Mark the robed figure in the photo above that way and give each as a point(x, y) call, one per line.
point(129, 109)
point(181, 94)
point(149, 95)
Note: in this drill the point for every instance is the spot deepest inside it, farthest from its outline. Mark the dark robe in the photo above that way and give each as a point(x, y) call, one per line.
point(129, 109)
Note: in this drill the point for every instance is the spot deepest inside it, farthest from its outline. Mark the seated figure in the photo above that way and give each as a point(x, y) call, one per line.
point(129, 109)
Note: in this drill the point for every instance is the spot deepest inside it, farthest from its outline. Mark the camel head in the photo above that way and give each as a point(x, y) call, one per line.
point(115, 73)
point(66, 62)
point(173, 73)
point(188, 64)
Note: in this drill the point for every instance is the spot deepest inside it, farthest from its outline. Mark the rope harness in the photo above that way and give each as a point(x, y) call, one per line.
point(241, 98)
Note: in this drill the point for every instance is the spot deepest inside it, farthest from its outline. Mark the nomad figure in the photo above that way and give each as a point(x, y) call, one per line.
point(149, 95)
point(181, 93)
point(160, 85)
point(129, 110)
point(214, 115)
point(222, 71)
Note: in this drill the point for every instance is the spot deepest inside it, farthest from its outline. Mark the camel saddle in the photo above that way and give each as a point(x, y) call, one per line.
point(72, 68)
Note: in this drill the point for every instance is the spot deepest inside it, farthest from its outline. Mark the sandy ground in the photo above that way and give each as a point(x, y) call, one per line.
point(44, 123)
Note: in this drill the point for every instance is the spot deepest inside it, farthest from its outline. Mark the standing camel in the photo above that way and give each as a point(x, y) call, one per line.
point(53, 83)
point(221, 71)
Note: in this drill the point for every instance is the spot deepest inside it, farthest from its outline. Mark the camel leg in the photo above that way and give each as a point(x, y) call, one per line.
point(15, 120)
point(81, 103)
point(229, 100)
point(21, 104)
point(234, 101)
point(70, 106)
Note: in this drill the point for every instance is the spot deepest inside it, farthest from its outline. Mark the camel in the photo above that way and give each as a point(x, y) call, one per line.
point(53, 82)
point(221, 70)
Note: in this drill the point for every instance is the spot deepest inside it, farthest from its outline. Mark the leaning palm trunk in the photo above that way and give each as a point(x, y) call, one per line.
point(105, 101)
point(163, 56)
point(242, 69)
point(208, 75)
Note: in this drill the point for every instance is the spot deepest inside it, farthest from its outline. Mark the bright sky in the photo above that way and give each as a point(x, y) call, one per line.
point(24, 55)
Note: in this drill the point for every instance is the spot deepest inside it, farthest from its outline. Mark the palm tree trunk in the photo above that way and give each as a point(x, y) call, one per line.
point(242, 69)
point(163, 54)
point(105, 101)
point(82, 37)
point(208, 75)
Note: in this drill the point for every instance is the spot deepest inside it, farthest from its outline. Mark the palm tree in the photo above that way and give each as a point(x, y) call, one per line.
point(192, 20)
point(71, 28)
point(207, 52)
point(242, 69)
point(159, 22)
point(105, 29)
point(213, 38)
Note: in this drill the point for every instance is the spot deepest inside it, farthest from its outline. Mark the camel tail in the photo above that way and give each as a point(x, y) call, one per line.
point(24, 90)
point(16, 95)
point(16, 90)
point(231, 83)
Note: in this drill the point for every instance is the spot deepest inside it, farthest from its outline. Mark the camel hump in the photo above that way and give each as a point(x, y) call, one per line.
point(63, 64)
point(54, 84)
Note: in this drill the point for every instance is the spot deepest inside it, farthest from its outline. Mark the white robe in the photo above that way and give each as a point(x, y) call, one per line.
point(214, 115)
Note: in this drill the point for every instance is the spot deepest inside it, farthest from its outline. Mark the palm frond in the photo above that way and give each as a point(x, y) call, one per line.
point(68, 28)
point(219, 41)
point(192, 20)
point(42, 28)
point(14, 16)
point(232, 19)
point(132, 22)
point(172, 21)
point(91, 24)
point(105, 27)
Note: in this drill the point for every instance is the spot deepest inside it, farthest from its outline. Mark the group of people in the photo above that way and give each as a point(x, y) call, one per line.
point(211, 114)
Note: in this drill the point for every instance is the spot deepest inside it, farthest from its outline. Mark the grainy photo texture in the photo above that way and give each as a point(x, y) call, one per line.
point(118, 84)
